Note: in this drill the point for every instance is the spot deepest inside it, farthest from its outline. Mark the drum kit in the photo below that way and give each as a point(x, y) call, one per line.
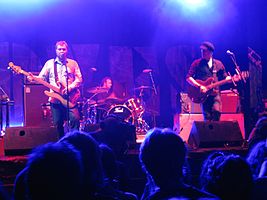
point(130, 110)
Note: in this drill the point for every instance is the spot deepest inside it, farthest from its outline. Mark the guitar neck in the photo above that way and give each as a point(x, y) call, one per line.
point(217, 84)
point(41, 81)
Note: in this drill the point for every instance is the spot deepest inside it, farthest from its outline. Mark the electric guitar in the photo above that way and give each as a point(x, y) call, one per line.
point(57, 91)
point(197, 96)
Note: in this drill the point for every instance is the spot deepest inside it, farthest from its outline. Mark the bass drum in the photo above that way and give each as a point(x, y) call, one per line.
point(122, 112)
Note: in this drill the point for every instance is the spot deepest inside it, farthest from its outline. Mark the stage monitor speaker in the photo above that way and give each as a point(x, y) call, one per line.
point(215, 134)
point(18, 140)
point(36, 112)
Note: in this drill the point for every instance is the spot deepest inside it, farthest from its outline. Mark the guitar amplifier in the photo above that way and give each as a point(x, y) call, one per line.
point(36, 111)
point(230, 101)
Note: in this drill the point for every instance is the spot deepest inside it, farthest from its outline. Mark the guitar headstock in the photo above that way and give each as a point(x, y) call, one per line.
point(244, 75)
point(14, 68)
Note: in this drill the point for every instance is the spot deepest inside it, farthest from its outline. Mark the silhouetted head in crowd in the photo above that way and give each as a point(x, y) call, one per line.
point(116, 134)
point(256, 156)
point(55, 172)
point(231, 178)
point(3, 193)
point(259, 132)
point(208, 169)
point(162, 155)
point(91, 158)
point(109, 162)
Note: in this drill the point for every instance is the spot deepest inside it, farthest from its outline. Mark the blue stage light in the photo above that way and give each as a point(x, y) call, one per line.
point(192, 5)
point(18, 7)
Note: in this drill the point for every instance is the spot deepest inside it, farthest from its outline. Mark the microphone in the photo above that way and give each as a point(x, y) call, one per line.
point(230, 53)
point(11, 64)
point(93, 69)
point(147, 70)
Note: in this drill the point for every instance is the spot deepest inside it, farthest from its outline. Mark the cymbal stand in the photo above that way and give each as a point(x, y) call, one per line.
point(93, 111)
point(141, 125)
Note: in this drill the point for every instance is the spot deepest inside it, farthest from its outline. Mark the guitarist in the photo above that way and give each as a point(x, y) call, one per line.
point(205, 68)
point(61, 72)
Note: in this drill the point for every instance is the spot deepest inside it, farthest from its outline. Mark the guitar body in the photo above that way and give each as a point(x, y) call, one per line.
point(73, 97)
point(196, 95)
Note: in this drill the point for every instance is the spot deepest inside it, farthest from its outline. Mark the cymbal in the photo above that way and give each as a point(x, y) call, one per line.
point(97, 90)
point(143, 87)
point(110, 100)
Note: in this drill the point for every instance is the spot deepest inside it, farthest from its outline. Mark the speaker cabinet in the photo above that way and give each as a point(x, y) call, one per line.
point(230, 101)
point(183, 123)
point(18, 139)
point(36, 112)
point(215, 134)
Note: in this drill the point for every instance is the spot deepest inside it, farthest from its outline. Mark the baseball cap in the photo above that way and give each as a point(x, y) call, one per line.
point(207, 46)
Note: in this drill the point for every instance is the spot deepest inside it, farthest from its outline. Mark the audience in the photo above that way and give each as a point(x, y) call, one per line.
point(257, 160)
point(229, 177)
point(256, 157)
point(208, 170)
point(3, 193)
point(259, 132)
point(162, 155)
point(91, 159)
point(79, 167)
point(112, 175)
point(116, 134)
point(54, 172)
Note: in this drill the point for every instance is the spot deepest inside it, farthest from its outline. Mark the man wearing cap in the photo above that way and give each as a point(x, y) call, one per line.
point(200, 71)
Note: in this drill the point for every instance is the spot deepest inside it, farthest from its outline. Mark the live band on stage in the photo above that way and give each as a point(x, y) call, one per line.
point(84, 107)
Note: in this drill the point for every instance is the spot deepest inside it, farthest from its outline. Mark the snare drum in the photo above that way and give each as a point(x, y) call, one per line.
point(123, 112)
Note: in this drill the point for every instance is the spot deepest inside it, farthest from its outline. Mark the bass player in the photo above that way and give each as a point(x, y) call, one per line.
point(63, 74)
point(201, 70)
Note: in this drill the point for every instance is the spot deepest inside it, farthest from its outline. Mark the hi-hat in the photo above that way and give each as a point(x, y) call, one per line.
point(143, 87)
point(97, 90)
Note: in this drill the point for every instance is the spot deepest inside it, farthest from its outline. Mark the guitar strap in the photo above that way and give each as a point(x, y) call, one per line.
point(55, 72)
point(214, 74)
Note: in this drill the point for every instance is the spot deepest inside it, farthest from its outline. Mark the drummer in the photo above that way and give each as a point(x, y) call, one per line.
point(108, 98)
point(106, 83)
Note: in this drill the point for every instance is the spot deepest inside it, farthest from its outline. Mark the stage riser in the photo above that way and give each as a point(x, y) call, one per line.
point(183, 123)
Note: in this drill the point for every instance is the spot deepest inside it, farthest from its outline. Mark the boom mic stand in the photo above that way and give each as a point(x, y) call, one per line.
point(237, 69)
point(153, 82)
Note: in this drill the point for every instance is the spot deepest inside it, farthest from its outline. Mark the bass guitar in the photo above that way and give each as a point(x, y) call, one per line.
point(56, 91)
point(197, 96)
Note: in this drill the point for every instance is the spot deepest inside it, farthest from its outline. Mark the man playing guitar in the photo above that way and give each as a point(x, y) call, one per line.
point(204, 69)
point(64, 75)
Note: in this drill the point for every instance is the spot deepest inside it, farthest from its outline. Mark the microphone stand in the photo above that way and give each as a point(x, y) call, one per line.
point(237, 69)
point(68, 99)
point(153, 83)
point(5, 96)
